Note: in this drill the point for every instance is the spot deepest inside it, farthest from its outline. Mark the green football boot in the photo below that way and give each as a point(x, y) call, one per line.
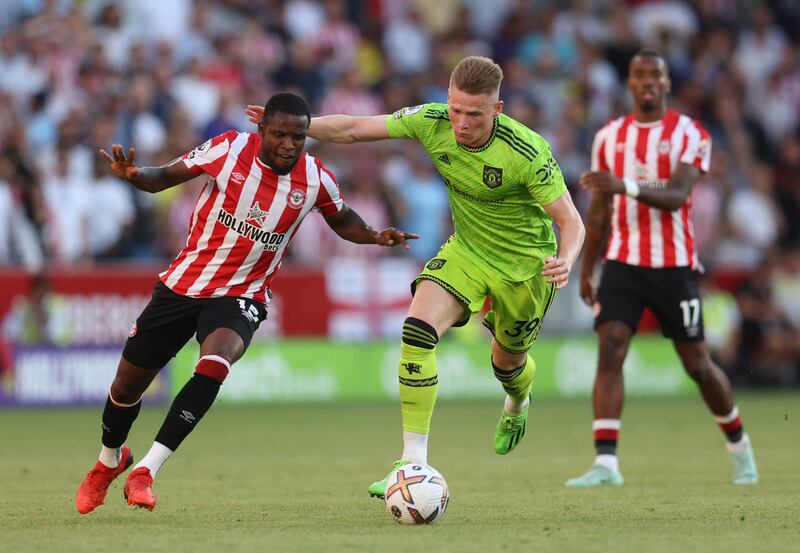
point(744, 467)
point(378, 489)
point(598, 475)
point(510, 430)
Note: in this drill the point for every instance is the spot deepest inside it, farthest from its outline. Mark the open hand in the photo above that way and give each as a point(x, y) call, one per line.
point(601, 181)
point(121, 166)
point(392, 237)
point(254, 113)
point(557, 269)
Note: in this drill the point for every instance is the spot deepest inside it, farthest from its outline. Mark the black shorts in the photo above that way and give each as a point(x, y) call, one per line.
point(672, 294)
point(171, 319)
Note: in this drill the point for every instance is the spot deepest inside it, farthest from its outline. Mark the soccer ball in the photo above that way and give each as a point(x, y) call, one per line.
point(416, 494)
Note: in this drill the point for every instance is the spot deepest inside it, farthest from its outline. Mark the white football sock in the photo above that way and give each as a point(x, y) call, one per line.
point(608, 461)
point(415, 447)
point(513, 408)
point(741, 445)
point(156, 457)
point(110, 456)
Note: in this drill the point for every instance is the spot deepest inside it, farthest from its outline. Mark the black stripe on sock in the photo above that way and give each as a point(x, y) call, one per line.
point(424, 383)
point(735, 436)
point(417, 332)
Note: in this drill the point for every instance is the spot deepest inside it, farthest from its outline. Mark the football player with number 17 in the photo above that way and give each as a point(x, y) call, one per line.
point(644, 166)
point(260, 186)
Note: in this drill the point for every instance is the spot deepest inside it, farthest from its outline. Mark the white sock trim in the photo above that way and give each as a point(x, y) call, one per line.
point(513, 408)
point(156, 457)
point(606, 424)
point(415, 447)
point(608, 461)
point(741, 445)
point(730, 417)
point(118, 404)
point(218, 359)
point(110, 456)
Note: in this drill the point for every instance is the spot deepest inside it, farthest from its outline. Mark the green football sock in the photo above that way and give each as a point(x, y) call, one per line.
point(419, 382)
point(518, 382)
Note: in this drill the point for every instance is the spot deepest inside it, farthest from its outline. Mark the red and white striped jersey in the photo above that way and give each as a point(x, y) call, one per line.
point(245, 217)
point(650, 153)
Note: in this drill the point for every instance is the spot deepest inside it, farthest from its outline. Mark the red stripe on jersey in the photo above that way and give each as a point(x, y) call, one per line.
point(619, 170)
point(664, 171)
point(642, 209)
point(601, 161)
point(688, 238)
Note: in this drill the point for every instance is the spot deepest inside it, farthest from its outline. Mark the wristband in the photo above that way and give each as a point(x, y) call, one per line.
point(631, 187)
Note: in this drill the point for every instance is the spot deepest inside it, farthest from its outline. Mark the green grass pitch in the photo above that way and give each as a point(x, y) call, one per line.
point(294, 477)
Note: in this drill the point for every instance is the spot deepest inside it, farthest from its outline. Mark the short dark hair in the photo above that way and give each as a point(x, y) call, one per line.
point(649, 53)
point(287, 102)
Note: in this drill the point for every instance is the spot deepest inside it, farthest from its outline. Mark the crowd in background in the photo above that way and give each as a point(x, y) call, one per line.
point(165, 75)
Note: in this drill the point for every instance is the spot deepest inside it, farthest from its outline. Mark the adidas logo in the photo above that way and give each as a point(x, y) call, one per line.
point(187, 416)
point(444, 159)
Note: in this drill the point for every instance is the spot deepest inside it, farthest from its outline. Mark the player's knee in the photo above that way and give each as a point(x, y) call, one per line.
point(614, 338)
point(697, 364)
point(125, 391)
point(506, 361)
point(214, 367)
point(418, 333)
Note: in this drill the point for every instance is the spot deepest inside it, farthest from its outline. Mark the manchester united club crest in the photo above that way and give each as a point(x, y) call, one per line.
point(435, 264)
point(492, 176)
point(256, 217)
point(296, 198)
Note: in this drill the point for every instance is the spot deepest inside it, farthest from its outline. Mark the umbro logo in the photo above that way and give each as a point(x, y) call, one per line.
point(187, 416)
point(444, 159)
point(237, 177)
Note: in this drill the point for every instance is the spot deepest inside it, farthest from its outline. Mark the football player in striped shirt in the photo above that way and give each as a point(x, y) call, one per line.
point(259, 188)
point(644, 166)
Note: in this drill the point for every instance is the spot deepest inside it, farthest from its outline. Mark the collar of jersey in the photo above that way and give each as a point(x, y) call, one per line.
point(651, 124)
point(488, 142)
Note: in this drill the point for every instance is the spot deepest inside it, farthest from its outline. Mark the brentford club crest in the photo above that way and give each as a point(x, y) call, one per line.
point(256, 216)
point(296, 198)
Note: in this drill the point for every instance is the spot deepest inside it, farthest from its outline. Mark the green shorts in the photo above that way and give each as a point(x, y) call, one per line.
point(518, 308)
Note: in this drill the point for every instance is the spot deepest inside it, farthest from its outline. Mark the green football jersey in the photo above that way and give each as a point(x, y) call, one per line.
point(496, 191)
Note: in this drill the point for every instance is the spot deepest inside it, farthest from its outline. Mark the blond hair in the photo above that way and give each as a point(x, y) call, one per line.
point(477, 75)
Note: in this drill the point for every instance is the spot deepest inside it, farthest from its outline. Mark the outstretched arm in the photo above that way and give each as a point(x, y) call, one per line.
point(341, 129)
point(148, 179)
point(670, 197)
point(572, 232)
point(598, 220)
point(349, 225)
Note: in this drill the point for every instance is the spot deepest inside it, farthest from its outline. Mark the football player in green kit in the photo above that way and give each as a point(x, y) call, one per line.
point(505, 191)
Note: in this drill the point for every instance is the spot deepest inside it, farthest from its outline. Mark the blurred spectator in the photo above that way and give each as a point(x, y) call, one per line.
point(66, 199)
point(424, 199)
point(111, 212)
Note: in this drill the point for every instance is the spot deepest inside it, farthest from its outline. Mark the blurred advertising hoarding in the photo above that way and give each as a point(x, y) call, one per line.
point(321, 370)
